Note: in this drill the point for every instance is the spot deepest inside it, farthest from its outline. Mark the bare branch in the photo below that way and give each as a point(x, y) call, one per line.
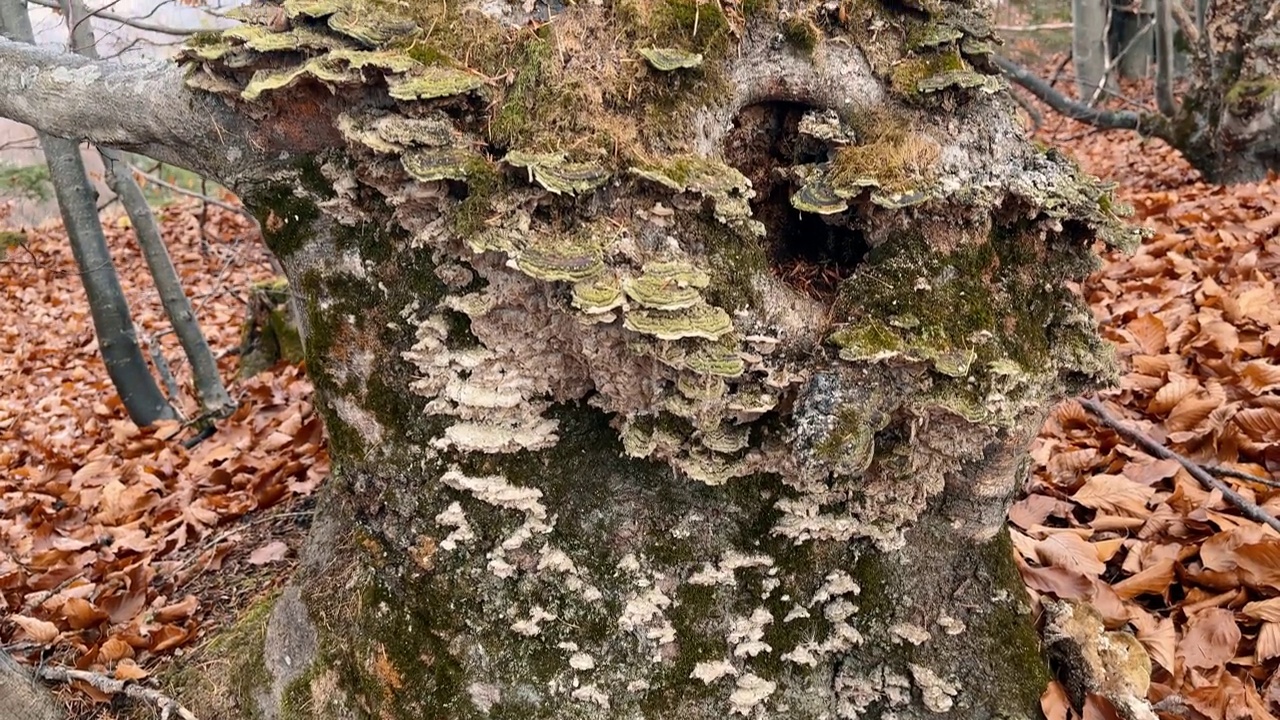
point(1219, 471)
point(1034, 28)
point(156, 180)
point(1246, 506)
point(1186, 24)
point(1152, 123)
point(140, 106)
point(168, 706)
point(125, 20)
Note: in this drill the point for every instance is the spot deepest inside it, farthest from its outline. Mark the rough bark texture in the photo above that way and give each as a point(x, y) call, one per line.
point(23, 698)
point(679, 360)
point(1230, 120)
point(73, 97)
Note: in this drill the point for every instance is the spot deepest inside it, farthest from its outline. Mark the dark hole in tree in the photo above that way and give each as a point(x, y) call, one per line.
point(810, 252)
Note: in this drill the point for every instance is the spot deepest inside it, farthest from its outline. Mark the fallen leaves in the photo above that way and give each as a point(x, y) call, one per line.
point(103, 526)
point(1195, 317)
point(273, 551)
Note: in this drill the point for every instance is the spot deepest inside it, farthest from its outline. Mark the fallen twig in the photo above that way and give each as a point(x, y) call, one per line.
point(102, 683)
point(1219, 471)
point(1246, 506)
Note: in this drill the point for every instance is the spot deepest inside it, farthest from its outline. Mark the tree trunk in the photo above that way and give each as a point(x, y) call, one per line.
point(1229, 127)
point(678, 360)
point(211, 393)
point(112, 322)
point(1089, 47)
point(1132, 42)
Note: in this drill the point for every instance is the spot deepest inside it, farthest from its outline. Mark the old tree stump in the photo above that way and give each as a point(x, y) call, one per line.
point(679, 358)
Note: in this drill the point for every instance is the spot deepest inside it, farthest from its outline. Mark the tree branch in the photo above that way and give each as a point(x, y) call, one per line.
point(1246, 507)
point(1188, 26)
point(1034, 28)
point(125, 20)
point(161, 182)
point(1105, 119)
point(142, 107)
point(168, 706)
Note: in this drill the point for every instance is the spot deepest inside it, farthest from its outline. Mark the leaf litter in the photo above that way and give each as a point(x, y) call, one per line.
point(1195, 317)
point(110, 534)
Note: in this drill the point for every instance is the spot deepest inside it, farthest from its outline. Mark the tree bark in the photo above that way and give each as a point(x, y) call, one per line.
point(112, 322)
point(1089, 48)
point(676, 362)
point(211, 393)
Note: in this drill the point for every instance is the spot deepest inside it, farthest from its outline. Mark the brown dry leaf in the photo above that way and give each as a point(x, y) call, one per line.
point(1054, 703)
point(1220, 335)
point(1178, 388)
point(1154, 580)
point(1068, 465)
point(1259, 563)
point(1097, 707)
point(1152, 472)
point(1157, 635)
point(1190, 412)
point(1259, 376)
point(40, 631)
point(1211, 639)
point(114, 649)
point(273, 551)
point(1262, 423)
point(1035, 509)
point(1268, 610)
point(1062, 584)
point(1069, 551)
point(1268, 642)
point(168, 637)
point(81, 613)
point(127, 669)
point(1114, 493)
point(179, 610)
point(1149, 333)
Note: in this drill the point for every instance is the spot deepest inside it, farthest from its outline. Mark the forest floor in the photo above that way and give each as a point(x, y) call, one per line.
point(119, 548)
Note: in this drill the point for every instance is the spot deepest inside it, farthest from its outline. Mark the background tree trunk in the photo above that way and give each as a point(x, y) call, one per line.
point(112, 323)
point(1132, 41)
point(211, 393)
point(1090, 53)
point(1231, 128)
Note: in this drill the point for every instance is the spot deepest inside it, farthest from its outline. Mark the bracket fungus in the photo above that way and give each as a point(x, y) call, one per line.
point(753, 258)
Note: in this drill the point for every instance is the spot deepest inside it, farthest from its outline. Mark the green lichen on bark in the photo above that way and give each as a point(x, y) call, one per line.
point(573, 366)
point(1246, 96)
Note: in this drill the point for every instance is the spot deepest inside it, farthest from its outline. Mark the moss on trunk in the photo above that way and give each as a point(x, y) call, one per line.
point(696, 387)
